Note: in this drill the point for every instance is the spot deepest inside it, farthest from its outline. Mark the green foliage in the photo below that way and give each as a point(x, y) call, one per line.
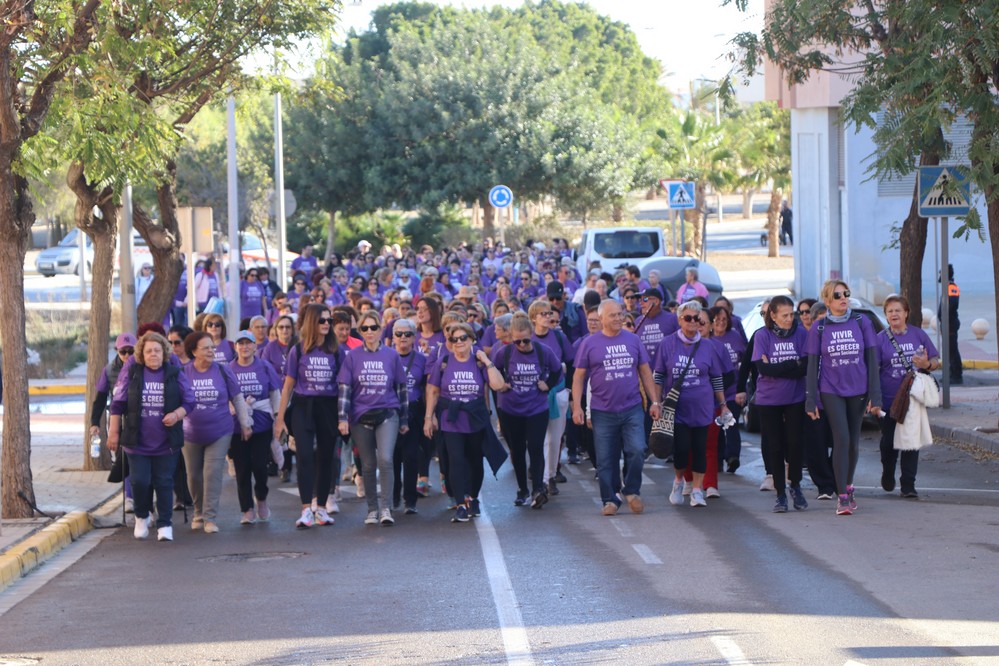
point(445, 225)
point(379, 229)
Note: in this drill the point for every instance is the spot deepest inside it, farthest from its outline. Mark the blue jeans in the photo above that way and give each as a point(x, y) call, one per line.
point(149, 473)
point(614, 432)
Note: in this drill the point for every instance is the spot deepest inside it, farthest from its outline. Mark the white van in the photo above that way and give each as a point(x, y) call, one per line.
point(617, 247)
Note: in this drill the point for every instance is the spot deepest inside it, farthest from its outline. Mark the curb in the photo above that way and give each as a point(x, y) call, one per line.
point(25, 556)
point(57, 389)
point(967, 436)
point(980, 365)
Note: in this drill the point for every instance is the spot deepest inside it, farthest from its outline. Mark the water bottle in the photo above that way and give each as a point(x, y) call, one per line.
point(95, 446)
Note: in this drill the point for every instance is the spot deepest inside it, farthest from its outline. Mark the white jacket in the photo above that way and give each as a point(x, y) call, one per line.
point(914, 433)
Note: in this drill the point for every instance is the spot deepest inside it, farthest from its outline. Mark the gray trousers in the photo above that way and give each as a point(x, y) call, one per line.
point(205, 469)
point(845, 416)
point(376, 446)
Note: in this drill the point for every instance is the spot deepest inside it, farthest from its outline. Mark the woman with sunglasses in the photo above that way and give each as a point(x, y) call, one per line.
point(252, 295)
point(214, 325)
point(458, 382)
point(299, 291)
point(529, 369)
point(176, 336)
point(488, 340)
point(544, 319)
point(843, 372)
point(373, 410)
point(702, 392)
point(413, 448)
point(276, 355)
point(208, 427)
point(804, 309)
point(311, 376)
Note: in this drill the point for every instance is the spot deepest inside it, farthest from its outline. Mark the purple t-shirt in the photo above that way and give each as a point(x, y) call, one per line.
point(652, 330)
point(251, 299)
point(416, 375)
point(522, 373)
point(430, 346)
point(892, 368)
point(612, 365)
point(314, 373)
point(780, 390)
point(225, 352)
point(463, 381)
point(696, 407)
point(488, 340)
point(256, 381)
point(154, 440)
point(842, 369)
point(372, 376)
point(557, 342)
point(213, 389)
point(276, 354)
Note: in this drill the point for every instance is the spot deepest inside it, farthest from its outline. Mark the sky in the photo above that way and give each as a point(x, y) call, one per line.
point(690, 38)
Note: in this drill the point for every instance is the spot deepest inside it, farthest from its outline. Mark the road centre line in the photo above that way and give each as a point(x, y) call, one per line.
point(646, 553)
point(646, 481)
point(511, 624)
point(731, 652)
point(622, 528)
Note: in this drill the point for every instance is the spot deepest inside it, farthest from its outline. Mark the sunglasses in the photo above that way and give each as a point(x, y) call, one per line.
point(368, 329)
point(127, 351)
point(284, 328)
point(841, 294)
point(690, 318)
point(404, 334)
point(523, 342)
point(214, 324)
point(546, 313)
point(175, 342)
point(806, 311)
point(324, 320)
point(629, 324)
point(252, 275)
point(646, 299)
point(630, 297)
point(459, 338)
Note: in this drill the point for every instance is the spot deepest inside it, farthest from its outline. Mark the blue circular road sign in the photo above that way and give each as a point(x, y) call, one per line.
point(500, 196)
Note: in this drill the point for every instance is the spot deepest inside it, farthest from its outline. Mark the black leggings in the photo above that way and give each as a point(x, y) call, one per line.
point(314, 425)
point(251, 458)
point(525, 435)
point(465, 471)
point(692, 442)
point(783, 426)
point(845, 415)
point(407, 458)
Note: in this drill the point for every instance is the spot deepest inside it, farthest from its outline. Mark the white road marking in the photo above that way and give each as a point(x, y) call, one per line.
point(598, 502)
point(646, 553)
point(646, 481)
point(853, 663)
point(518, 648)
point(622, 528)
point(730, 651)
point(587, 485)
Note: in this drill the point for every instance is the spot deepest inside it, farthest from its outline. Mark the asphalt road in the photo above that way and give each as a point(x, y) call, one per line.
point(900, 582)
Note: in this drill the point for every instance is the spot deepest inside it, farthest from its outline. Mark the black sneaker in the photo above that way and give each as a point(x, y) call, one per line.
point(573, 459)
point(552, 487)
point(539, 499)
point(888, 481)
point(560, 477)
point(798, 499)
point(460, 514)
point(733, 464)
point(780, 506)
point(474, 509)
point(522, 497)
point(910, 493)
point(410, 509)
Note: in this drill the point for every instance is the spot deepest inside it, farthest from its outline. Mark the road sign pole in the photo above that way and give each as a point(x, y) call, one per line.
point(683, 233)
point(945, 311)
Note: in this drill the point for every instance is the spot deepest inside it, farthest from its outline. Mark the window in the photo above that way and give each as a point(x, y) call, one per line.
point(626, 244)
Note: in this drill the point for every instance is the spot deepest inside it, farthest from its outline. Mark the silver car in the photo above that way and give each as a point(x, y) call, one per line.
point(65, 256)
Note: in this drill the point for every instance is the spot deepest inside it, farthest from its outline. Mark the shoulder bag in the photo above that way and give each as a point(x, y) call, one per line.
point(661, 437)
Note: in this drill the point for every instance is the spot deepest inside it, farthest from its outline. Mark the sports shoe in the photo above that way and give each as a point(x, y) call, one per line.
point(552, 487)
point(676, 495)
point(284, 475)
point(768, 483)
point(336, 495)
point(539, 499)
point(372, 518)
point(733, 465)
point(798, 499)
point(697, 498)
point(573, 459)
point(910, 493)
point(688, 487)
point(423, 488)
point(843, 506)
point(248, 517)
point(826, 496)
point(853, 502)
point(560, 477)
point(610, 509)
point(263, 511)
point(164, 533)
point(359, 485)
point(141, 527)
point(385, 517)
point(887, 480)
point(474, 509)
point(780, 506)
point(410, 509)
point(331, 505)
point(711, 492)
point(522, 497)
point(307, 520)
point(129, 505)
point(635, 503)
point(460, 514)
point(197, 523)
point(322, 517)
point(210, 527)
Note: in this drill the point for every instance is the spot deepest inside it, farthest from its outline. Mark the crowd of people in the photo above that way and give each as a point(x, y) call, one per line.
point(375, 364)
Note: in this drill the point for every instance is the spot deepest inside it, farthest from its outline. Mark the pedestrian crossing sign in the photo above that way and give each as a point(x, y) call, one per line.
point(943, 191)
point(681, 195)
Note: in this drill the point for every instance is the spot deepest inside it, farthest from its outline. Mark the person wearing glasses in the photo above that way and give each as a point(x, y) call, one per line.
point(702, 392)
point(258, 327)
point(252, 295)
point(299, 293)
point(412, 449)
point(154, 399)
point(176, 336)
point(543, 319)
point(214, 325)
point(804, 310)
point(458, 382)
point(276, 354)
point(529, 369)
point(311, 375)
point(373, 411)
point(732, 340)
point(208, 427)
point(843, 372)
point(615, 362)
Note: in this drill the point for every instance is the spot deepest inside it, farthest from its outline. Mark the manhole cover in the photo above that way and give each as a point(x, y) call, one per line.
point(250, 557)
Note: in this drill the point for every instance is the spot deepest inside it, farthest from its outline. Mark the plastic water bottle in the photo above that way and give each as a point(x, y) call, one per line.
point(95, 446)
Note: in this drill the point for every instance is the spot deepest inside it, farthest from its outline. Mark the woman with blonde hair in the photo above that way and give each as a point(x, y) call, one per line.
point(214, 325)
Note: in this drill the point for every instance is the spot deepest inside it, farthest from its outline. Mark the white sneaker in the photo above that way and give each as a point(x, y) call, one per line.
point(372, 518)
point(385, 517)
point(306, 521)
point(248, 518)
point(336, 495)
point(331, 505)
point(164, 533)
point(141, 528)
point(697, 498)
point(315, 505)
point(359, 485)
point(323, 518)
point(712, 492)
point(768, 483)
point(687, 487)
point(676, 495)
point(129, 505)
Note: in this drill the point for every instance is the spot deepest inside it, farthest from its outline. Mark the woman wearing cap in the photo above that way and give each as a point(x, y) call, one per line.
point(208, 427)
point(261, 387)
point(155, 398)
point(252, 295)
point(374, 409)
point(214, 325)
point(311, 376)
point(543, 320)
point(843, 372)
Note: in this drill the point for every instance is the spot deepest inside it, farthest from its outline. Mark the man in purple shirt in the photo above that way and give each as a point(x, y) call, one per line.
point(655, 323)
point(616, 363)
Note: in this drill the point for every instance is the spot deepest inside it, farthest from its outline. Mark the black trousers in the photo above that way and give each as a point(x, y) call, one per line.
point(250, 459)
point(314, 423)
point(407, 457)
point(690, 443)
point(889, 456)
point(525, 435)
point(464, 462)
point(784, 428)
point(818, 453)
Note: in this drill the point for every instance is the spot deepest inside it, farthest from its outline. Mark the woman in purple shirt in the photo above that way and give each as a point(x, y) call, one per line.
point(459, 383)
point(311, 376)
point(208, 427)
point(276, 354)
point(413, 448)
point(915, 349)
point(779, 356)
point(544, 319)
point(252, 295)
point(373, 411)
point(154, 399)
point(429, 337)
point(843, 371)
point(225, 351)
point(724, 330)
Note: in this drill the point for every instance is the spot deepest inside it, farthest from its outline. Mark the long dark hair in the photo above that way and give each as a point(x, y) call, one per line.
point(308, 328)
point(771, 311)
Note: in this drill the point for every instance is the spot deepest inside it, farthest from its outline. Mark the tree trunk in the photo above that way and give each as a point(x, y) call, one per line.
point(330, 238)
point(103, 233)
point(912, 249)
point(700, 204)
point(747, 203)
point(617, 212)
point(488, 220)
point(773, 223)
point(163, 240)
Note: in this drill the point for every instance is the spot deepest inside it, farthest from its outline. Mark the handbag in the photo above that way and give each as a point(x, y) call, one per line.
point(661, 437)
point(374, 417)
point(900, 405)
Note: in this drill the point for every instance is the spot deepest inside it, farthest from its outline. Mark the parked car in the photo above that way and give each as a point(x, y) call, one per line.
point(612, 248)
point(673, 273)
point(64, 257)
point(252, 249)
